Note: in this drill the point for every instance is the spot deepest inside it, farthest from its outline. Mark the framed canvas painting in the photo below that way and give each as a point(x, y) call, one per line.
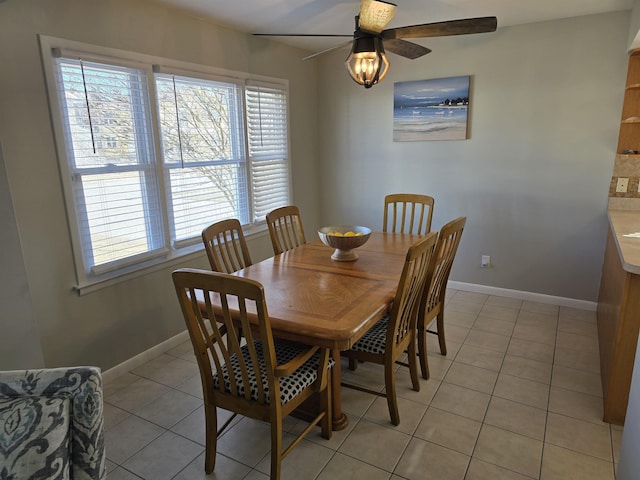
point(435, 109)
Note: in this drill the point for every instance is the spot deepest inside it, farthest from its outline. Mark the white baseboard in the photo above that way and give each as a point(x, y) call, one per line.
point(145, 356)
point(172, 342)
point(533, 297)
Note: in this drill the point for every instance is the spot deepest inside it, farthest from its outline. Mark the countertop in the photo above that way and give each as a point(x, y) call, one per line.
point(625, 225)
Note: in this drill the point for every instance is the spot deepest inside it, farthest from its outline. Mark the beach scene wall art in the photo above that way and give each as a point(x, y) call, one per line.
point(435, 109)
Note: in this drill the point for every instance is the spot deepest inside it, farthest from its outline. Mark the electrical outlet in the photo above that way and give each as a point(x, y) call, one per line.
point(485, 262)
point(622, 185)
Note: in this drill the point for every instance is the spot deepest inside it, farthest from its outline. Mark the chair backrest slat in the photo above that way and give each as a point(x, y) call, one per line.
point(204, 337)
point(407, 213)
point(233, 345)
point(254, 364)
point(285, 228)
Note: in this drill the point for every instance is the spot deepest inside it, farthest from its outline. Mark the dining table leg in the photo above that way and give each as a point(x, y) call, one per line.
point(339, 420)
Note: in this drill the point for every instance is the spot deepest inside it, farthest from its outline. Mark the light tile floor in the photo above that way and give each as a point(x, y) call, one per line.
point(517, 397)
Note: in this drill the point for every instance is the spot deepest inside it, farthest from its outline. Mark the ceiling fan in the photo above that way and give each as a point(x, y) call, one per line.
point(367, 63)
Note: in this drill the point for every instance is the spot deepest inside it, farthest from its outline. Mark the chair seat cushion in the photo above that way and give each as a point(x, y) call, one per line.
point(374, 341)
point(290, 386)
point(34, 437)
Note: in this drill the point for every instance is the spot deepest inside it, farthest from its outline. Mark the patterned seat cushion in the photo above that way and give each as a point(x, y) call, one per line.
point(290, 386)
point(34, 437)
point(374, 341)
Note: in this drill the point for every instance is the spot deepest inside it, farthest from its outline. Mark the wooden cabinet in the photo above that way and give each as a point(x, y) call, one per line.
point(629, 136)
point(618, 327)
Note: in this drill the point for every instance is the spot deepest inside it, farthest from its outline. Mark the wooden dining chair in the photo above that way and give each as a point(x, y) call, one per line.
point(407, 213)
point(285, 228)
point(388, 339)
point(433, 300)
point(226, 246)
point(259, 378)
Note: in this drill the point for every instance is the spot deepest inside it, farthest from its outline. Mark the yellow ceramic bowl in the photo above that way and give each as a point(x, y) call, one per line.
point(344, 238)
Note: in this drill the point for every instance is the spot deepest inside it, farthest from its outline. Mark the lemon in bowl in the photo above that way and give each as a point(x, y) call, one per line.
point(344, 239)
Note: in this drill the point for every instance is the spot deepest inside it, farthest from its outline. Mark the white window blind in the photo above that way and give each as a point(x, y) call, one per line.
point(204, 155)
point(111, 162)
point(267, 134)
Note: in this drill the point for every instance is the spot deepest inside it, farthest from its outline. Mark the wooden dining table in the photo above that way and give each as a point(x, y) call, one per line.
point(315, 300)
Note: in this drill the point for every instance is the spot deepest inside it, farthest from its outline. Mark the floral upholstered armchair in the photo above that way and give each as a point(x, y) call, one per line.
point(51, 424)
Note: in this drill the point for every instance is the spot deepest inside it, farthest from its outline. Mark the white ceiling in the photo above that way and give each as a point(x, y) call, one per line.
point(337, 16)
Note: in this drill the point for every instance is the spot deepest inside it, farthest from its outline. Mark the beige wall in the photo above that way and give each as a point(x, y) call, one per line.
point(108, 326)
point(19, 341)
point(634, 30)
point(533, 177)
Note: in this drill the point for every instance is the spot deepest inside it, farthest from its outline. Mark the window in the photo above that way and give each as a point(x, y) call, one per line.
point(153, 152)
point(115, 189)
point(201, 126)
point(268, 140)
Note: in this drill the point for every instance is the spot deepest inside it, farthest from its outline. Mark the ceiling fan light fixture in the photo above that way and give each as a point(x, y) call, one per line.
point(367, 63)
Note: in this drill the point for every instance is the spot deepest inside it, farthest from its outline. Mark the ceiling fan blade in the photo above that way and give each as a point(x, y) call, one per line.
point(314, 55)
point(442, 29)
point(375, 15)
point(300, 35)
point(405, 49)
